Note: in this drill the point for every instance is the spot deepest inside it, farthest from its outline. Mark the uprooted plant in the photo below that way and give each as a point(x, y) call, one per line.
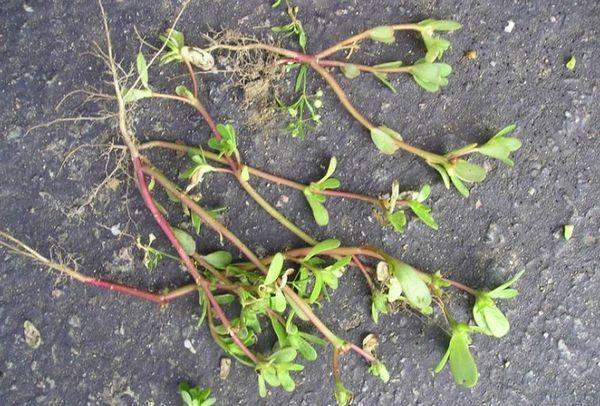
point(428, 73)
point(281, 291)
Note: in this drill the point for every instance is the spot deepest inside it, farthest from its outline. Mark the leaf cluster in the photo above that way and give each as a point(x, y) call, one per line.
point(412, 200)
point(486, 314)
point(436, 46)
point(275, 371)
point(195, 396)
point(227, 145)
point(196, 172)
point(174, 41)
point(399, 282)
point(294, 27)
point(431, 76)
point(490, 321)
point(303, 111)
point(457, 171)
point(316, 199)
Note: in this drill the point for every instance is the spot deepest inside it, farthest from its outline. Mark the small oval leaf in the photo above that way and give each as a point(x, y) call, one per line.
point(187, 241)
point(274, 268)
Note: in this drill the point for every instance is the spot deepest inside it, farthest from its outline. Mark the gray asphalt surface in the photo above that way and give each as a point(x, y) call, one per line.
point(101, 348)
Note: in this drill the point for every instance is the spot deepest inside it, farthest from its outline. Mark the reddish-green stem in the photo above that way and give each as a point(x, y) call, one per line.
point(357, 38)
point(200, 281)
point(218, 227)
point(365, 68)
point(265, 175)
point(192, 77)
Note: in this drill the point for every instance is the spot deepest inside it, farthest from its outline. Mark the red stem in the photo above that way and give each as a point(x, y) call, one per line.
point(117, 287)
point(200, 281)
point(363, 269)
point(192, 77)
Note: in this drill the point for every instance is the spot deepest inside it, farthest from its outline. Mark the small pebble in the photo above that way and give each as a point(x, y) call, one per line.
point(33, 338)
point(188, 344)
point(116, 230)
point(225, 368)
point(509, 26)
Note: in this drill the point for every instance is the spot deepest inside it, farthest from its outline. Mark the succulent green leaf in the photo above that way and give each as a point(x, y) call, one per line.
point(187, 241)
point(495, 292)
point(225, 299)
point(378, 369)
point(279, 330)
point(302, 39)
point(424, 193)
point(422, 211)
point(391, 64)
point(325, 245)
point(436, 46)
point(274, 268)
point(331, 183)
point(487, 316)
point(317, 287)
point(219, 259)
point(506, 294)
point(195, 396)
point(176, 37)
point(398, 221)
point(270, 376)
point(462, 189)
point(339, 264)
point(183, 91)
point(500, 146)
point(287, 383)
point(351, 71)
point(462, 364)
point(395, 290)
point(440, 25)
point(262, 387)
point(226, 130)
point(384, 139)
point(278, 302)
point(319, 211)
point(330, 169)
point(438, 368)
point(313, 339)
point(443, 173)
point(382, 77)
point(133, 95)
point(343, 396)
point(379, 304)
point(142, 69)
point(571, 63)
point(305, 349)
point(300, 78)
point(467, 171)
point(416, 291)
point(430, 76)
point(287, 354)
point(383, 33)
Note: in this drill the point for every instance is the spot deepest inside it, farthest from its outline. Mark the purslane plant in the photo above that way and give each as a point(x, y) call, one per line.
point(273, 292)
point(428, 73)
point(223, 143)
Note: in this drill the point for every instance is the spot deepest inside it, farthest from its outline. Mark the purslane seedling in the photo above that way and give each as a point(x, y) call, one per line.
point(277, 291)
